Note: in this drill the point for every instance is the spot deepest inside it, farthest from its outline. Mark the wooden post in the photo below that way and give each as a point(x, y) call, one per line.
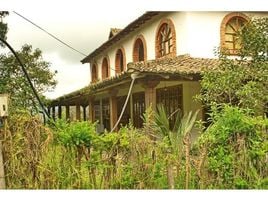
point(84, 113)
point(150, 93)
point(53, 113)
point(2, 172)
point(113, 108)
point(91, 109)
point(59, 112)
point(78, 113)
point(2, 169)
point(48, 110)
point(101, 117)
point(67, 112)
point(131, 109)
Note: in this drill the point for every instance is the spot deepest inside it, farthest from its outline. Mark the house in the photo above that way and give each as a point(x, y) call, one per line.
point(159, 56)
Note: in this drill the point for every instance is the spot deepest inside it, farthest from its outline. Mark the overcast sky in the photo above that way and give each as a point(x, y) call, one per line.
point(80, 30)
point(84, 25)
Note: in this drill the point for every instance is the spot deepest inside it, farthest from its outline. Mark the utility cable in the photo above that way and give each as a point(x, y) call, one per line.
point(56, 38)
point(27, 77)
point(133, 76)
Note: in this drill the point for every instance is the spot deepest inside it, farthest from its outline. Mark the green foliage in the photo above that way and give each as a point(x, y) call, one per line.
point(14, 82)
point(3, 26)
point(242, 81)
point(183, 126)
point(229, 154)
point(75, 133)
point(237, 146)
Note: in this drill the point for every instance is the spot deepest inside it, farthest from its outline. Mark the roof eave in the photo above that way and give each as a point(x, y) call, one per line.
point(129, 28)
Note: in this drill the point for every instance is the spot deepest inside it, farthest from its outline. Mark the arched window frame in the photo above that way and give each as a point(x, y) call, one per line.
point(223, 34)
point(94, 73)
point(105, 64)
point(165, 40)
point(119, 69)
point(136, 49)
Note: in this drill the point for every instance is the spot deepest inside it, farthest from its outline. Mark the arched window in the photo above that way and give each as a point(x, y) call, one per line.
point(94, 73)
point(231, 25)
point(105, 68)
point(166, 39)
point(120, 61)
point(139, 50)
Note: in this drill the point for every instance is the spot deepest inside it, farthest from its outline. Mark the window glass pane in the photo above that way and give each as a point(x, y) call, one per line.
point(231, 31)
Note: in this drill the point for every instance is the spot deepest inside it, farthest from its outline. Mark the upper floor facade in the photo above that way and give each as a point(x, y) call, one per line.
point(158, 35)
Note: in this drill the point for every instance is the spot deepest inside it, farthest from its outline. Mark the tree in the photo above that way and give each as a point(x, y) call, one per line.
point(242, 81)
point(13, 80)
point(3, 26)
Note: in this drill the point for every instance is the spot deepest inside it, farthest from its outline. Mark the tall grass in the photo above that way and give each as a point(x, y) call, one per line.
point(74, 156)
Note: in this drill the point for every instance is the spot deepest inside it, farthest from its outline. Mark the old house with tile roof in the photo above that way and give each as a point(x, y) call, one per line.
point(160, 57)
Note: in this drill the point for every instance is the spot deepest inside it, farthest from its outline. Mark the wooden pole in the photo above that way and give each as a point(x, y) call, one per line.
point(2, 171)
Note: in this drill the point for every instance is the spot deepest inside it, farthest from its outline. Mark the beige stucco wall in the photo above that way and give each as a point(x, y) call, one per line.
point(197, 34)
point(190, 90)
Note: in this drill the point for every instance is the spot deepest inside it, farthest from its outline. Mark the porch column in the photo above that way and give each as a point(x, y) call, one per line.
point(78, 113)
point(84, 113)
point(131, 109)
point(101, 117)
point(53, 112)
point(48, 111)
point(59, 112)
point(150, 93)
point(91, 109)
point(67, 112)
point(113, 108)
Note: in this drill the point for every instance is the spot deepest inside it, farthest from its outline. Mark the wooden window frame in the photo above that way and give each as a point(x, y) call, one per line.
point(137, 50)
point(167, 96)
point(165, 42)
point(94, 74)
point(223, 32)
point(120, 65)
point(105, 67)
point(138, 108)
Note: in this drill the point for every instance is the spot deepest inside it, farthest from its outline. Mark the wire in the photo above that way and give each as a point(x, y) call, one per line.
point(27, 77)
point(125, 105)
point(56, 38)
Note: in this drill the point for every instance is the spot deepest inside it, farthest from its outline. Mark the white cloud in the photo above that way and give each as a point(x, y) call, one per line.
point(69, 77)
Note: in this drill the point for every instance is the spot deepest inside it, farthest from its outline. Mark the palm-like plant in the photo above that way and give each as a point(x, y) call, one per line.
point(179, 135)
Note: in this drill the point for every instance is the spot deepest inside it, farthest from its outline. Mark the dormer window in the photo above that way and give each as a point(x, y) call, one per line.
point(94, 73)
point(139, 50)
point(119, 61)
point(232, 24)
point(105, 68)
point(166, 39)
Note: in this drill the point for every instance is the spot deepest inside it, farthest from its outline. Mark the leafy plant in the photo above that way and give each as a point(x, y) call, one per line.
point(237, 147)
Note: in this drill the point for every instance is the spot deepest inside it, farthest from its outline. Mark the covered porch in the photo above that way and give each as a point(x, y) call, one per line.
point(172, 82)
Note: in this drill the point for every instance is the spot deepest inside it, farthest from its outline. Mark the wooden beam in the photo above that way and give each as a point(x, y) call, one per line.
point(113, 107)
point(59, 112)
point(150, 93)
point(91, 109)
point(53, 113)
point(84, 113)
point(78, 113)
point(67, 112)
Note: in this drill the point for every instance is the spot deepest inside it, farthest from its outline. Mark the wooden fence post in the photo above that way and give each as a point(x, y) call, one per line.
point(2, 171)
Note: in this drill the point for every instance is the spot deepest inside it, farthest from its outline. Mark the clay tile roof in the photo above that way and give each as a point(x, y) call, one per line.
point(90, 89)
point(183, 64)
point(113, 32)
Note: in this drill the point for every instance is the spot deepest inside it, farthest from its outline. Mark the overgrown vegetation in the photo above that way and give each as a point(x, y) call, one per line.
point(241, 80)
point(231, 153)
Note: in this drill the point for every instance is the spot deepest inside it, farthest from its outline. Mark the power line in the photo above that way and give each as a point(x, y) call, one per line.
point(56, 38)
point(27, 77)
